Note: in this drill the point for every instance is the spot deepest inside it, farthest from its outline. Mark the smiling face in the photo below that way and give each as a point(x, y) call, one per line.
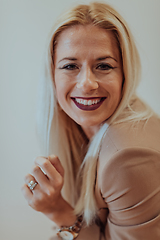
point(88, 75)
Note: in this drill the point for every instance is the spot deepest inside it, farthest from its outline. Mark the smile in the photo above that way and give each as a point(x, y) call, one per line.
point(88, 104)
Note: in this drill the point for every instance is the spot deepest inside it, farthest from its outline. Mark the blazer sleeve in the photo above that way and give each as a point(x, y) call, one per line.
point(130, 185)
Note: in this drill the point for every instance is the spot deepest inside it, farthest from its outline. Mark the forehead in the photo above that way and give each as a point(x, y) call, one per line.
point(90, 39)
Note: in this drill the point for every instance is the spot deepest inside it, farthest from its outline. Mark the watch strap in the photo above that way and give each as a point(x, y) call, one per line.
point(74, 229)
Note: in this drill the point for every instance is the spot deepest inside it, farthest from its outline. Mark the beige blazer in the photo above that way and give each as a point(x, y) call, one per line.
point(128, 183)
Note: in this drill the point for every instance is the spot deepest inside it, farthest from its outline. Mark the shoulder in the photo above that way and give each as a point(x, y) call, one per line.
point(145, 133)
point(124, 137)
point(128, 171)
point(130, 165)
point(130, 140)
point(129, 184)
point(130, 151)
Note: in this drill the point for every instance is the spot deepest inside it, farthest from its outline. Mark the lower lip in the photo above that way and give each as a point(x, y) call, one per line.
point(88, 107)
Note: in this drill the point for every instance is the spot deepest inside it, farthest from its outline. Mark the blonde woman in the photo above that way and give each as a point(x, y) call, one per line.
point(103, 180)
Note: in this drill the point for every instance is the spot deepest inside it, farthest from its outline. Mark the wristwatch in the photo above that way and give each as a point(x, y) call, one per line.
point(70, 233)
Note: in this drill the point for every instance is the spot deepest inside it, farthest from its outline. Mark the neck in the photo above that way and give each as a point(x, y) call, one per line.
point(90, 131)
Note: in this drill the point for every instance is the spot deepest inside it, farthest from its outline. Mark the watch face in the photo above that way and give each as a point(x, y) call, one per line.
point(65, 235)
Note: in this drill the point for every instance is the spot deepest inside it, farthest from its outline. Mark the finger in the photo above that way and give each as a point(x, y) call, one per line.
point(57, 164)
point(53, 175)
point(33, 198)
point(40, 176)
point(28, 179)
point(28, 194)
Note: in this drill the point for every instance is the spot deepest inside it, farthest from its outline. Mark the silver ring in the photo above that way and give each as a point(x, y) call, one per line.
point(32, 184)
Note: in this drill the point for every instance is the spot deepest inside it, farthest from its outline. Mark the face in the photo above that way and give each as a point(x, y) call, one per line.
point(88, 75)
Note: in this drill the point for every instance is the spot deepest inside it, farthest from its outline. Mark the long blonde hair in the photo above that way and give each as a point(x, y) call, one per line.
point(58, 133)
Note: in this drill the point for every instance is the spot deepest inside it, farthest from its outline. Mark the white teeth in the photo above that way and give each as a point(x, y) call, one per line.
point(87, 102)
point(90, 102)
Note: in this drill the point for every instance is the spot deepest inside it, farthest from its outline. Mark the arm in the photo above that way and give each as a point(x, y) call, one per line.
point(46, 196)
point(130, 185)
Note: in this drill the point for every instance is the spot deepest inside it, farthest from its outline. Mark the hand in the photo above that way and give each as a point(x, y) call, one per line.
point(49, 174)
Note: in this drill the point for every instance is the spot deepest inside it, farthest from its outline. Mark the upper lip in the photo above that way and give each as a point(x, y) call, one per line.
point(88, 98)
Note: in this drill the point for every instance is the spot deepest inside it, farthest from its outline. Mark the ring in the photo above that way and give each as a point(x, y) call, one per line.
point(32, 184)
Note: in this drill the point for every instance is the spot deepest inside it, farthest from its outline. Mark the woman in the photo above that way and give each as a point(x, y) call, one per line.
point(103, 181)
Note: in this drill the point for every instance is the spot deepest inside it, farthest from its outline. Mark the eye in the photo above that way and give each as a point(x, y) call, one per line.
point(104, 66)
point(70, 67)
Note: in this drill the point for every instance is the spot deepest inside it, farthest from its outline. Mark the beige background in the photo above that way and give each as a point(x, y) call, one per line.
point(24, 26)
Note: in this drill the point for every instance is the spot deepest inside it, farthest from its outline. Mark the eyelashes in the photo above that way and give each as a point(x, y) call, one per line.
point(104, 66)
point(101, 66)
point(70, 67)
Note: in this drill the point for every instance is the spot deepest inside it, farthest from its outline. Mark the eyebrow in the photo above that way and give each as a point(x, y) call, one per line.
point(68, 58)
point(103, 58)
point(98, 59)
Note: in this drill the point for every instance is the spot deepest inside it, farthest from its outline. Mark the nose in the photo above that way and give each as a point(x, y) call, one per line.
point(87, 81)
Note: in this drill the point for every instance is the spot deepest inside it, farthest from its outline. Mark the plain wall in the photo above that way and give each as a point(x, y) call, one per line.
point(24, 27)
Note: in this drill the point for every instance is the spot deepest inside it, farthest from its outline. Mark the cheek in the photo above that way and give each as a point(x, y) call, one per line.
point(64, 86)
point(115, 92)
point(58, 92)
point(118, 88)
point(59, 86)
point(117, 85)
point(113, 87)
point(62, 94)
